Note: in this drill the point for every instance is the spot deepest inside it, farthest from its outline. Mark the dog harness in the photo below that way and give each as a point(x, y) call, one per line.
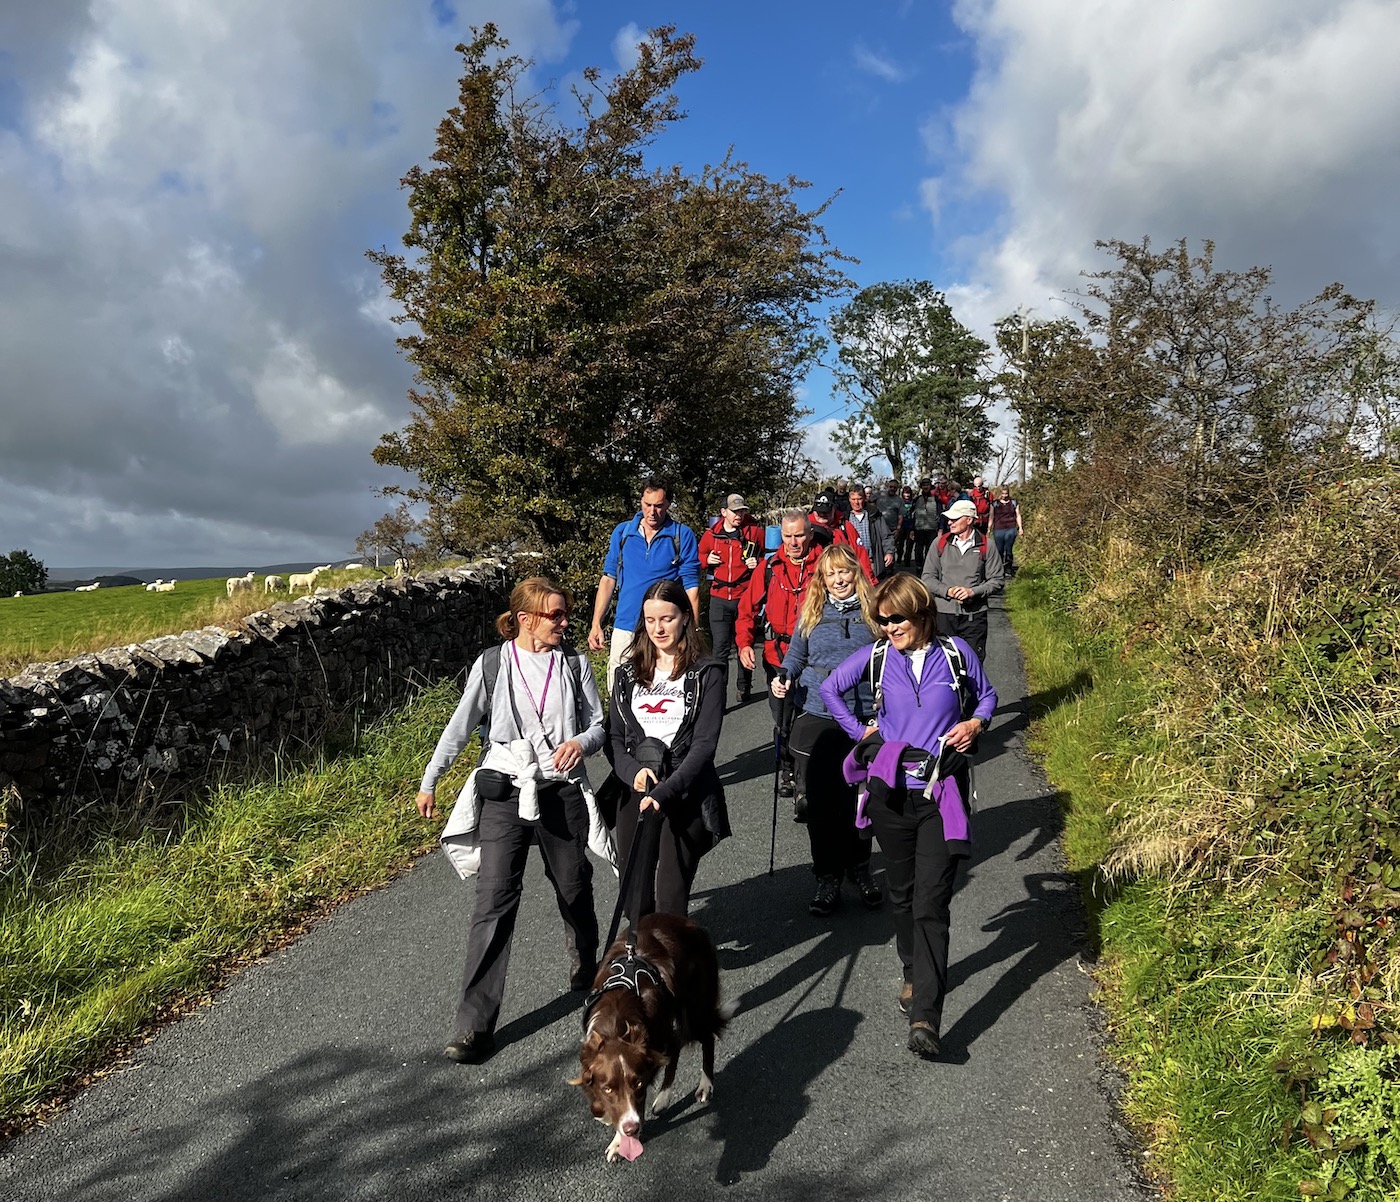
point(625, 972)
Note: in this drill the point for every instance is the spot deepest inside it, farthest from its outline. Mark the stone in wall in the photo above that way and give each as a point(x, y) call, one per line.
point(100, 738)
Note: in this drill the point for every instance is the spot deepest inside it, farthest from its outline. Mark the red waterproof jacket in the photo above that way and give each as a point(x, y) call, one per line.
point(771, 603)
point(843, 532)
point(983, 500)
point(730, 577)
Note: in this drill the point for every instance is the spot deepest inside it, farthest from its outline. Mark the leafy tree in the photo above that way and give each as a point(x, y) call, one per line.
point(1232, 382)
point(1053, 386)
point(580, 320)
point(20, 572)
point(394, 536)
point(1194, 406)
point(918, 375)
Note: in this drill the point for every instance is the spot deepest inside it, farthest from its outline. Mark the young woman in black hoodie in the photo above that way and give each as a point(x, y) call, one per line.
point(663, 730)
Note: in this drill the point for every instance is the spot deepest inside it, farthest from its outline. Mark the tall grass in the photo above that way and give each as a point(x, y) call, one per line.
point(1226, 745)
point(132, 929)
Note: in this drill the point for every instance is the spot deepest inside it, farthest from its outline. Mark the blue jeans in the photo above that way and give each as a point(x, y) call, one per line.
point(1005, 540)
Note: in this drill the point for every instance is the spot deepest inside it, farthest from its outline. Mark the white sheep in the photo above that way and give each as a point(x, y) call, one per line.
point(352, 567)
point(166, 586)
point(304, 580)
point(156, 583)
point(400, 567)
point(86, 588)
point(239, 584)
point(19, 594)
point(271, 584)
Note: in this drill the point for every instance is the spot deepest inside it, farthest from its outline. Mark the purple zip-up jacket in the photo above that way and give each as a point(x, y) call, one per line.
point(916, 714)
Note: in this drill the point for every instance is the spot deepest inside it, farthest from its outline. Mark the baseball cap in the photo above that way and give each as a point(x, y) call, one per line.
point(960, 509)
point(824, 503)
point(734, 503)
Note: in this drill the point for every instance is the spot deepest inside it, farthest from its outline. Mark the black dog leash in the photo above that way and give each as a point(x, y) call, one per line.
point(628, 970)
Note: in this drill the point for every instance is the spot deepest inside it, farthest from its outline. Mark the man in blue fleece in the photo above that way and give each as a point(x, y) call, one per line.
point(648, 547)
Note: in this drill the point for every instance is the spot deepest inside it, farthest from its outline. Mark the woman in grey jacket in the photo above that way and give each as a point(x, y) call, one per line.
point(836, 620)
point(545, 717)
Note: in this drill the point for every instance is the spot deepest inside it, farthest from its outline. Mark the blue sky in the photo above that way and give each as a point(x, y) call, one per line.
point(197, 357)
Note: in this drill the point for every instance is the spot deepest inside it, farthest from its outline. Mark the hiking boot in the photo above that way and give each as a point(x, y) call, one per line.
point(471, 1048)
point(923, 1040)
point(582, 972)
point(870, 896)
point(786, 788)
point(744, 696)
point(799, 807)
point(906, 998)
point(827, 896)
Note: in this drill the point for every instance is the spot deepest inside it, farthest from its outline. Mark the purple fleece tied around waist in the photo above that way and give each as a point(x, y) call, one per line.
point(886, 767)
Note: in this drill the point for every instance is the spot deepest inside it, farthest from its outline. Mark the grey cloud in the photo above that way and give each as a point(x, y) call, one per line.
point(194, 345)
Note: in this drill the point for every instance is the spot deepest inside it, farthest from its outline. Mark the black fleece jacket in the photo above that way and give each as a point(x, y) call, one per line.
point(693, 782)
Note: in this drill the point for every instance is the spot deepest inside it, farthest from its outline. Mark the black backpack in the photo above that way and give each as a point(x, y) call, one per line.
point(967, 691)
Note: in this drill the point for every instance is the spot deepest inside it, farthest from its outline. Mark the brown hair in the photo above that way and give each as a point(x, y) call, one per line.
point(529, 597)
point(906, 594)
point(641, 653)
point(814, 599)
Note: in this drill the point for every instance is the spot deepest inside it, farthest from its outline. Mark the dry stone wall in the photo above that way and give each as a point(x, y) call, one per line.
point(110, 735)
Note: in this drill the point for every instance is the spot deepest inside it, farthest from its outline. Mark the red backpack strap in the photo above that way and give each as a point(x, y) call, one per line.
point(942, 542)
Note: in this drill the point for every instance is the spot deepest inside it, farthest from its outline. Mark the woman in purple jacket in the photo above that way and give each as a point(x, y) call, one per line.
point(932, 700)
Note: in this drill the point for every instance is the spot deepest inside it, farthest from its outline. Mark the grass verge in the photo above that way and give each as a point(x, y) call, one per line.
point(139, 928)
point(1206, 988)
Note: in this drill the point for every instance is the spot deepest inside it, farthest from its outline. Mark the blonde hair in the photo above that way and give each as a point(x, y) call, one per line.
point(838, 555)
point(530, 597)
point(906, 594)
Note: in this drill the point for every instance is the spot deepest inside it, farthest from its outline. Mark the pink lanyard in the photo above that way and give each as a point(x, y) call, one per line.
point(544, 696)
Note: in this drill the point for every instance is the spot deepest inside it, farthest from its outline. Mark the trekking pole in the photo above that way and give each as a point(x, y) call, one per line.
point(779, 738)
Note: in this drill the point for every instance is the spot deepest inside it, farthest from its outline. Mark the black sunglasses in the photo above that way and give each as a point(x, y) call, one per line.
point(892, 619)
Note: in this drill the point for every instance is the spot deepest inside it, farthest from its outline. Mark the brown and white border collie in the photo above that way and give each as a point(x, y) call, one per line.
point(635, 1024)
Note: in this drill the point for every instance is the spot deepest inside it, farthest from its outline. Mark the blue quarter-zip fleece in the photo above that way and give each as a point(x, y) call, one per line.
point(811, 658)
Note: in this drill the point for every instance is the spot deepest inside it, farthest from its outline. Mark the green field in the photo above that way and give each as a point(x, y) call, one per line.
point(50, 626)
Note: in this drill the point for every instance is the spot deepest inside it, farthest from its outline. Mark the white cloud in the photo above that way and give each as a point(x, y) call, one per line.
point(1266, 125)
point(878, 65)
point(626, 43)
point(817, 445)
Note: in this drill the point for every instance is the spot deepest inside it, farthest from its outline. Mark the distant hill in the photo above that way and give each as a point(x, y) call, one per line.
point(146, 575)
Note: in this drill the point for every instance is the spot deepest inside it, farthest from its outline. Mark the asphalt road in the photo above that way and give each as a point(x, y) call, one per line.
point(318, 1073)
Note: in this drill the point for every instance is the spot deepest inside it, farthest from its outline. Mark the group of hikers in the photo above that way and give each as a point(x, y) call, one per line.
point(872, 663)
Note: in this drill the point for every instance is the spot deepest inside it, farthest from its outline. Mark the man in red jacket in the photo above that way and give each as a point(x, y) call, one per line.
point(768, 613)
point(729, 553)
point(829, 527)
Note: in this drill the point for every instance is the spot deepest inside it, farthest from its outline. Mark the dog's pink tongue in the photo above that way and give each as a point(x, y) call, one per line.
point(630, 1147)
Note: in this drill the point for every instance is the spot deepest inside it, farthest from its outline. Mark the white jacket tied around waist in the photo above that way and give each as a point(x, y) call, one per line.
point(515, 753)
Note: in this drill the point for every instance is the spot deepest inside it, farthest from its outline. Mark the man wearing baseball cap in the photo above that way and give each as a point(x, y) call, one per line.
point(828, 526)
point(729, 552)
point(962, 571)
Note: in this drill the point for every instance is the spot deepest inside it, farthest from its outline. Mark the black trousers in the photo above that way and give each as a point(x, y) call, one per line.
point(923, 540)
point(562, 835)
point(724, 615)
point(971, 628)
point(919, 874)
point(675, 846)
point(818, 747)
